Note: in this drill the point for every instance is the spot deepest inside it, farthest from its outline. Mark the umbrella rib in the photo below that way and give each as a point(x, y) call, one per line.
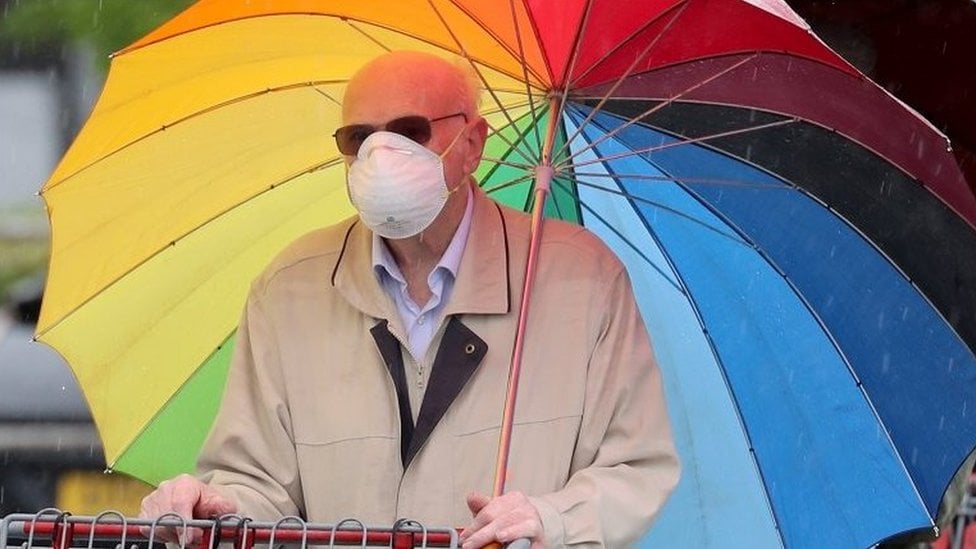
point(509, 183)
point(678, 213)
point(669, 179)
point(354, 24)
point(564, 93)
point(335, 161)
point(501, 162)
point(655, 108)
point(518, 56)
point(624, 76)
point(511, 146)
point(328, 96)
point(571, 66)
point(498, 132)
point(555, 203)
point(525, 75)
point(647, 151)
point(538, 40)
point(623, 238)
point(621, 44)
point(474, 66)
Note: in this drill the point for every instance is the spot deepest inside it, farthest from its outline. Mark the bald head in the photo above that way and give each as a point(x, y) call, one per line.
point(392, 84)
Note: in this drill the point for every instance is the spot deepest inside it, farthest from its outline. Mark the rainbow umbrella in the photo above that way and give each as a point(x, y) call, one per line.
point(802, 245)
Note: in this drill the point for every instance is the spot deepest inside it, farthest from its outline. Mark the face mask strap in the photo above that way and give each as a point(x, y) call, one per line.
point(453, 141)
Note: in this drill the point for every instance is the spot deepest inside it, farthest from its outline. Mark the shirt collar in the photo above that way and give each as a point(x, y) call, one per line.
point(383, 262)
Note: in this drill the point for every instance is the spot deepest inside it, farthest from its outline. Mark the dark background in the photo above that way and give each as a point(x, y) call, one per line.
point(922, 51)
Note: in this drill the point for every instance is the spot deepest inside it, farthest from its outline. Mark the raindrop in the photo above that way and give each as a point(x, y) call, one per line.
point(914, 455)
point(881, 320)
point(885, 363)
point(941, 422)
point(904, 313)
point(944, 45)
point(965, 405)
point(952, 364)
point(920, 149)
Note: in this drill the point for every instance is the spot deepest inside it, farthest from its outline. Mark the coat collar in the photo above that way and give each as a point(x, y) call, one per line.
point(482, 285)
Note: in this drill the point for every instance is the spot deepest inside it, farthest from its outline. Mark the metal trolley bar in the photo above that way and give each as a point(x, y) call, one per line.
point(58, 530)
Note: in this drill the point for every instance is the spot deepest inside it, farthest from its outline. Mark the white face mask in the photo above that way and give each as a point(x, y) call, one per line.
point(397, 185)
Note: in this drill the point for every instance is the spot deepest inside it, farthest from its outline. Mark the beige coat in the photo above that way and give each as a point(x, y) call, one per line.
point(310, 421)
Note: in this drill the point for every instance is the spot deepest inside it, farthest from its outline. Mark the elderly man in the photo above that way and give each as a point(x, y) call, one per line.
point(371, 362)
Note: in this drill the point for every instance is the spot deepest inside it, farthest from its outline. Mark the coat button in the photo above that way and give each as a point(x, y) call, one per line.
point(469, 349)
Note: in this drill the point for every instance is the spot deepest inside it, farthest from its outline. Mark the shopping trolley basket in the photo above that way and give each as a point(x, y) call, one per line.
point(55, 529)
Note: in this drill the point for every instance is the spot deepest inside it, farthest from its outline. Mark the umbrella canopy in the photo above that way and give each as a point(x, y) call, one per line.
point(800, 242)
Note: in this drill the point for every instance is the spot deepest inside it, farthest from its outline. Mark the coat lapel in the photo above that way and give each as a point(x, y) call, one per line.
point(482, 285)
point(354, 278)
point(459, 354)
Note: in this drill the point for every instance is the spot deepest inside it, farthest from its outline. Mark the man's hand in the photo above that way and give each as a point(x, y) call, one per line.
point(189, 498)
point(504, 519)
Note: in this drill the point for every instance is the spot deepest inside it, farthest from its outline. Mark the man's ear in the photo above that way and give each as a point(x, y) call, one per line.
point(476, 138)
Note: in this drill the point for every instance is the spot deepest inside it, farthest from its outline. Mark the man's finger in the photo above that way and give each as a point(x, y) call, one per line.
point(184, 497)
point(476, 502)
point(483, 510)
point(213, 504)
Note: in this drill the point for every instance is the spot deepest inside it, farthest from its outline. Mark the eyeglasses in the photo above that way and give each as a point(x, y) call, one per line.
point(414, 127)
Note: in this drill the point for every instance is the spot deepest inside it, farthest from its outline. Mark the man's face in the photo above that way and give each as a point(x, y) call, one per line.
point(383, 93)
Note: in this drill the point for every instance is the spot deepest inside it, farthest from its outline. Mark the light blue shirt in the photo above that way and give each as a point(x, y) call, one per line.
point(420, 323)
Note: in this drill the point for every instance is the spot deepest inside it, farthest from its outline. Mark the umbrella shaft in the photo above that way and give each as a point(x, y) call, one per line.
point(543, 179)
point(508, 416)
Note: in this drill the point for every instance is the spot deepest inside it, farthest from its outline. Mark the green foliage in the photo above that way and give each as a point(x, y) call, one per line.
point(19, 258)
point(35, 27)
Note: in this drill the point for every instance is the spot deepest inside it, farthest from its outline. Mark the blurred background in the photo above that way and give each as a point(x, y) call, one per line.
point(54, 55)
